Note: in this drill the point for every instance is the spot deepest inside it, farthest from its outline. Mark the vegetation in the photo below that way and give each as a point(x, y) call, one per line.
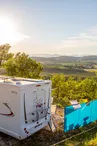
point(71, 88)
point(20, 65)
point(69, 65)
point(4, 53)
point(68, 72)
point(86, 139)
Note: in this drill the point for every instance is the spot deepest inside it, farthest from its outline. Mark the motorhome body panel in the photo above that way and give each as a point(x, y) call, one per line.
point(9, 108)
point(24, 107)
point(36, 107)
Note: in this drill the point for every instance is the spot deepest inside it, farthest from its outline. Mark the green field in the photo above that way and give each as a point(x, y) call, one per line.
point(69, 72)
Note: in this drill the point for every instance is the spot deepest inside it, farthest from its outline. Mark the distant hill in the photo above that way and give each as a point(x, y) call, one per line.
point(63, 59)
point(44, 55)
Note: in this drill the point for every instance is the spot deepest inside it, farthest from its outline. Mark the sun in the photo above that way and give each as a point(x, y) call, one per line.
point(7, 25)
point(8, 31)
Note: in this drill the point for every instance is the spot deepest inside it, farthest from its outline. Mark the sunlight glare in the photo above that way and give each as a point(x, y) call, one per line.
point(8, 31)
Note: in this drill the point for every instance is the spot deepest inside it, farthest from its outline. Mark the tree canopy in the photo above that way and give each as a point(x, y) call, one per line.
point(66, 89)
point(22, 65)
point(4, 53)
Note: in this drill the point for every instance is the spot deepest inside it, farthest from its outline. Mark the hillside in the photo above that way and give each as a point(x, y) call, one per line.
point(68, 72)
point(63, 59)
point(68, 65)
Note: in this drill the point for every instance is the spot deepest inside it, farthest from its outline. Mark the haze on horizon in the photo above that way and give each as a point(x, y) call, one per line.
point(49, 27)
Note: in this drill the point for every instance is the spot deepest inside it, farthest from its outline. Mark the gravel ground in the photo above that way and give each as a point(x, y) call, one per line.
point(6, 140)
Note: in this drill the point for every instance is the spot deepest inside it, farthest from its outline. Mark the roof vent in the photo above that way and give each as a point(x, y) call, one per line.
point(18, 83)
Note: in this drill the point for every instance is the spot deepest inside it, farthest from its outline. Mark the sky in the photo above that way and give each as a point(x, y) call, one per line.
point(65, 27)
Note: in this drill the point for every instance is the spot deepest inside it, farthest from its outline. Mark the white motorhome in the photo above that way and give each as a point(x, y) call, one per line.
point(25, 106)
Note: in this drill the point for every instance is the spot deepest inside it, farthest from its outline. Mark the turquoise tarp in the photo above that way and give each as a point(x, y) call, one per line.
point(74, 118)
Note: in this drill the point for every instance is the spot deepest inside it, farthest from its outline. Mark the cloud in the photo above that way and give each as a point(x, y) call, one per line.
point(84, 43)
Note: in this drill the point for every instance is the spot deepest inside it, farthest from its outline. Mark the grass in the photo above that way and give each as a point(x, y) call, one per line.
point(86, 139)
point(92, 142)
point(89, 139)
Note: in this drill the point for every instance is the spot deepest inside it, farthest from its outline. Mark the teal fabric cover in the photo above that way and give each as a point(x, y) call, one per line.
point(80, 117)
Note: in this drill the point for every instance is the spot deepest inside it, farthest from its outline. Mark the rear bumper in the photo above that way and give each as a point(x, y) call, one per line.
point(31, 130)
